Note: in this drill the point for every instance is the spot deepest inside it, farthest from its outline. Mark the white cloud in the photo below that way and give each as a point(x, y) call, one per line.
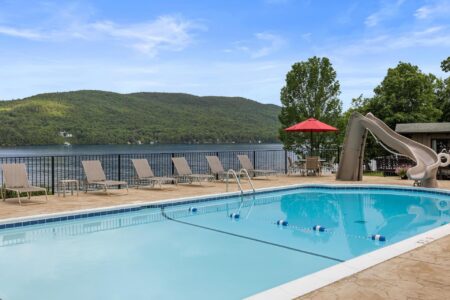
point(274, 43)
point(432, 11)
point(20, 33)
point(262, 45)
point(164, 33)
point(437, 36)
point(388, 9)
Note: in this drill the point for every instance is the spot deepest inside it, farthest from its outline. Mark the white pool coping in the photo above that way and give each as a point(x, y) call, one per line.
point(308, 283)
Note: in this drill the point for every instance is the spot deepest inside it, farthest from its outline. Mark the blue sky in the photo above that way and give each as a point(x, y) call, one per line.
point(230, 48)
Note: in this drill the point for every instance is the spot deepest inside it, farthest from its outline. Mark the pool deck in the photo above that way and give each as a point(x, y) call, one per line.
point(419, 274)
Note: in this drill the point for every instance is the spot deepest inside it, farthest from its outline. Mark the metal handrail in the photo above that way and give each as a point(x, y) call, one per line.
point(248, 177)
point(235, 177)
point(238, 181)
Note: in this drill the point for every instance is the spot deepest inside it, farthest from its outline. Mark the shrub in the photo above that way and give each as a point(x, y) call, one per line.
point(402, 170)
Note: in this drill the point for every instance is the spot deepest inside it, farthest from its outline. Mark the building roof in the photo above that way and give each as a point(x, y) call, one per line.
point(422, 127)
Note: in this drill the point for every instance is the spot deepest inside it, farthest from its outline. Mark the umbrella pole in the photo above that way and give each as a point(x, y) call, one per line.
point(311, 148)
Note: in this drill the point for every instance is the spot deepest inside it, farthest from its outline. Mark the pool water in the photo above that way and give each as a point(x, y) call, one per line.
point(173, 253)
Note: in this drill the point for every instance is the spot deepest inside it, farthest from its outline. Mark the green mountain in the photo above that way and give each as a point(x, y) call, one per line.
point(97, 117)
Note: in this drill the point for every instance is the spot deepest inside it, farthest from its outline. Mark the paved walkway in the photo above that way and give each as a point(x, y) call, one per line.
point(423, 273)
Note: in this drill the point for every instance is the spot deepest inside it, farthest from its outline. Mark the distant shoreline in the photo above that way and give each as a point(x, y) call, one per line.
point(46, 150)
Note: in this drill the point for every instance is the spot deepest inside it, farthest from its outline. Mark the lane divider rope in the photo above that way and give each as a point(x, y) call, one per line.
point(251, 238)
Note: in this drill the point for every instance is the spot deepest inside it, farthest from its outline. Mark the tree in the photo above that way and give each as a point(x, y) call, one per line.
point(444, 92)
point(311, 90)
point(445, 65)
point(406, 95)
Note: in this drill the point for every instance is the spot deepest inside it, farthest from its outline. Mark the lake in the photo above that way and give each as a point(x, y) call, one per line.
point(128, 149)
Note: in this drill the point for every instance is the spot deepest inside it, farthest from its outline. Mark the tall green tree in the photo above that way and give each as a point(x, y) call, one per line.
point(311, 90)
point(444, 92)
point(406, 95)
point(445, 65)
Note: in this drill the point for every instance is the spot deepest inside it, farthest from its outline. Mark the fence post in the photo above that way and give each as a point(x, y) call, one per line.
point(217, 175)
point(119, 175)
point(53, 175)
point(285, 162)
point(172, 155)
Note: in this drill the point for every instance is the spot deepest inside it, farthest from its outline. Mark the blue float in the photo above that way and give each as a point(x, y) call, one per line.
point(234, 215)
point(282, 222)
point(378, 237)
point(318, 228)
point(193, 209)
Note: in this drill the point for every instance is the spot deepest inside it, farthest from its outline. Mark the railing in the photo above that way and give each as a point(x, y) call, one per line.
point(47, 171)
point(388, 164)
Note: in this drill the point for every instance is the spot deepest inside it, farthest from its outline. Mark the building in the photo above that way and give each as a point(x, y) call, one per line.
point(65, 134)
point(434, 135)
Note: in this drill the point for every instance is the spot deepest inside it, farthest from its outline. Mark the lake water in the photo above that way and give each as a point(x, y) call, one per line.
point(128, 149)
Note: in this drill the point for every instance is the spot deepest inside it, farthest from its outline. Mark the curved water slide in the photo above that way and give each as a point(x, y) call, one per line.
point(351, 162)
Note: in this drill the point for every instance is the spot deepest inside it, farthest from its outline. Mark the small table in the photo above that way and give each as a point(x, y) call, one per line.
point(304, 160)
point(68, 182)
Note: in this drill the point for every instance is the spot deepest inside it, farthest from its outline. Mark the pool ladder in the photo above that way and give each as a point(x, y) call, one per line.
point(238, 180)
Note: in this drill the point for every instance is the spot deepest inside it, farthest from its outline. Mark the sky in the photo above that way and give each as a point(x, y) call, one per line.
point(223, 48)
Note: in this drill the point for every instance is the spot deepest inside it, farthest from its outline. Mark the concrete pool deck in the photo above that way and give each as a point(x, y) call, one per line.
point(419, 274)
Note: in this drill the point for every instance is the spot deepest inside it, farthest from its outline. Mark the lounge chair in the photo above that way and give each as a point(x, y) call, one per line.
point(216, 167)
point(313, 165)
point(330, 166)
point(247, 164)
point(294, 167)
point(183, 171)
point(145, 173)
point(96, 176)
point(15, 179)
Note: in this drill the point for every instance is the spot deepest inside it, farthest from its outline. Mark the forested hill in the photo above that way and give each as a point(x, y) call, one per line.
point(97, 117)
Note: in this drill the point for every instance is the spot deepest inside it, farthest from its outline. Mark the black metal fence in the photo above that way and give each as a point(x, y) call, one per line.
point(388, 164)
point(47, 171)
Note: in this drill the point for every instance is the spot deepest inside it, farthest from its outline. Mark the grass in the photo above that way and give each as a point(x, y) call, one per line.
point(373, 173)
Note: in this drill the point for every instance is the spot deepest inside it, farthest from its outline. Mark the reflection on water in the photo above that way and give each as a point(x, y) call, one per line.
point(360, 214)
point(350, 218)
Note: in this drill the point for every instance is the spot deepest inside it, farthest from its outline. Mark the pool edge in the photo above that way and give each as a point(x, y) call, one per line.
point(122, 208)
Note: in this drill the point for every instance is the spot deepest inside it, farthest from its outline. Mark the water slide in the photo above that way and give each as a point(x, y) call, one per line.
point(351, 162)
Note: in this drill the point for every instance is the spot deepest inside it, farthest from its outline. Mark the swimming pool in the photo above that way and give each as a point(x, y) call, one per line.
point(194, 249)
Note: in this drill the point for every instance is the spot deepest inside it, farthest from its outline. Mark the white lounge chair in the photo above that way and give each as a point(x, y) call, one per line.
point(145, 173)
point(184, 171)
point(294, 167)
point(247, 164)
point(331, 166)
point(96, 176)
point(15, 179)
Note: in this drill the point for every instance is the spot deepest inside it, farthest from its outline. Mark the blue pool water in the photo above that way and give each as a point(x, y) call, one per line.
point(172, 253)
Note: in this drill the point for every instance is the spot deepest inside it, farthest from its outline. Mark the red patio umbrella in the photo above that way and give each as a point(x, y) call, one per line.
point(311, 125)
